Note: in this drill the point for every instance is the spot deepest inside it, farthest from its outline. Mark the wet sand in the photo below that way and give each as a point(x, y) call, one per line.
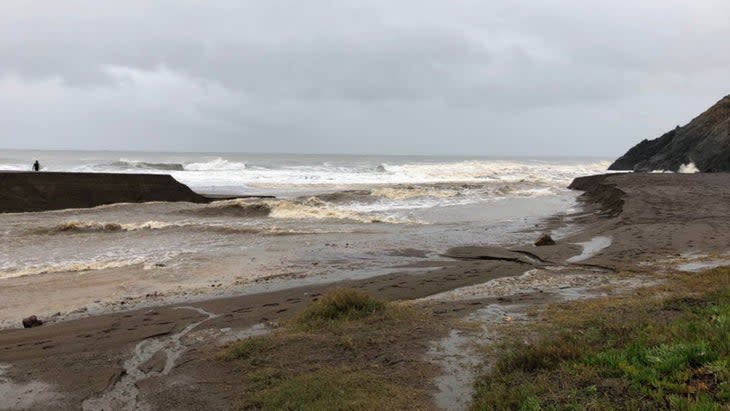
point(630, 222)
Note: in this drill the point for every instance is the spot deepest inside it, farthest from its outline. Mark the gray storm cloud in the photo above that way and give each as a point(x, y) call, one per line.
point(403, 77)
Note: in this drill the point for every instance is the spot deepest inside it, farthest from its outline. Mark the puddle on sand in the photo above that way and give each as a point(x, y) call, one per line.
point(551, 279)
point(702, 265)
point(460, 359)
point(592, 247)
point(230, 335)
point(458, 354)
point(123, 396)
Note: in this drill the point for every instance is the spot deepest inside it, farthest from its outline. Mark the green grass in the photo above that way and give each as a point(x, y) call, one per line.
point(341, 304)
point(346, 351)
point(335, 389)
point(634, 353)
point(248, 349)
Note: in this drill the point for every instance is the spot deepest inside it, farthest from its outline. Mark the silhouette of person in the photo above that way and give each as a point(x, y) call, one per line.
point(36, 166)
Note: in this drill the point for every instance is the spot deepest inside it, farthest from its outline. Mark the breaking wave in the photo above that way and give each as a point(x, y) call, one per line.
point(219, 164)
point(408, 192)
point(123, 164)
point(232, 208)
point(70, 266)
point(306, 208)
point(271, 175)
point(377, 205)
point(315, 208)
point(96, 226)
point(495, 171)
point(143, 165)
point(107, 227)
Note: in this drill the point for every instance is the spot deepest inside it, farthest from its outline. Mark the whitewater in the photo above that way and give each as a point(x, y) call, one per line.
point(233, 174)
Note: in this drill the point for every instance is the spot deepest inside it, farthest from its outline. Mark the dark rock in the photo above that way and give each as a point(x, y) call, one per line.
point(544, 240)
point(31, 322)
point(705, 141)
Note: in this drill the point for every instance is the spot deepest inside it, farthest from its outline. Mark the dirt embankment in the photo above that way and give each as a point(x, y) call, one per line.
point(600, 191)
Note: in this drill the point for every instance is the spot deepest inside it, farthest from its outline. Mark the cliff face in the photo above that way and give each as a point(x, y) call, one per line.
point(40, 191)
point(705, 141)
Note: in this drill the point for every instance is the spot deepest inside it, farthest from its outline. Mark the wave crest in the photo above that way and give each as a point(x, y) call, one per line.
point(303, 208)
point(96, 226)
point(70, 266)
point(218, 164)
point(144, 165)
point(315, 208)
point(232, 208)
point(408, 192)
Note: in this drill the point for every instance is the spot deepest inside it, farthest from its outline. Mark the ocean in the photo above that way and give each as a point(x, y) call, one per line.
point(333, 217)
point(282, 174)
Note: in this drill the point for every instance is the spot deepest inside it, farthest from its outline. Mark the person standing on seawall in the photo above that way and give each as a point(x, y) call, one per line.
point(36, 166)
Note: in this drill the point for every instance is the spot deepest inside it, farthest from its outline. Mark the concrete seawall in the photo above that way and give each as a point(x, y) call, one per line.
point(41, 191)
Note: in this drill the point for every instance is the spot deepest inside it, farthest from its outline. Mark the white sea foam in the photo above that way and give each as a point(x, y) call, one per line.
point(218, 164)
point(15, 167)
point(317, 209)
point(69, 266)
point(245, 174)
point(406, 193)
point(311, 208)
point(689, 168)
point(238, 177)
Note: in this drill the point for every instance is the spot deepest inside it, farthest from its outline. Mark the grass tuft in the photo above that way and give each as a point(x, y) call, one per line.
point(346, 351)
point(335, 389)
point(248, 348)
point(340, 304)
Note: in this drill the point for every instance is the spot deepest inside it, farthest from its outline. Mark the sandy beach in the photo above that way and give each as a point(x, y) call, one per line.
point(637, 223)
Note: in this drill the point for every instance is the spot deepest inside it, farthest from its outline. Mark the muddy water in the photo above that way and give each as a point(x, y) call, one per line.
point(90, 258)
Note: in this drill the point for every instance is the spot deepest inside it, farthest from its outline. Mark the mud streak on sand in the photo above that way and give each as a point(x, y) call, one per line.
point(124, 394)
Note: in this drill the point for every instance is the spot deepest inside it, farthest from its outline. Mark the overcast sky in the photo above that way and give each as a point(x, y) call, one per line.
point(498, 77)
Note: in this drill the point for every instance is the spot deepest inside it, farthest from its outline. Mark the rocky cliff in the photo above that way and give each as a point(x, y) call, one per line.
point(705, 142)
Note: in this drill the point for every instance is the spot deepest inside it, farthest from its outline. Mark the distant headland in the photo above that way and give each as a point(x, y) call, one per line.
point(704, 143)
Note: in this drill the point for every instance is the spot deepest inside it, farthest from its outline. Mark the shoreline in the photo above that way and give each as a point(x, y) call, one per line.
point(653, 220)
point(336, 249)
